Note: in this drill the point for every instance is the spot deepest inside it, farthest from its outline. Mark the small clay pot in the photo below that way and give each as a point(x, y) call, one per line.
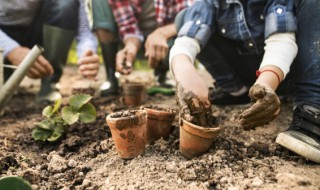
point(134, 93)
point(159, 123)
point(196, 140)
point(129, 132)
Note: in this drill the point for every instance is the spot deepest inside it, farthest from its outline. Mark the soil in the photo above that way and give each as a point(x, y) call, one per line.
point(160, 108)
point(85, 157)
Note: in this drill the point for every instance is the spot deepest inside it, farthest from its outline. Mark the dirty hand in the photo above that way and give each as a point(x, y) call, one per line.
point(40, 68)
point(89, 65)
point(192, 109)
point(126, 56)
point(265, 108)
point(156, 48)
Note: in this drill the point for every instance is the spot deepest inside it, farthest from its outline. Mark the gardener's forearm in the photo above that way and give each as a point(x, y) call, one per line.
point(7, 43)
point(168, 30)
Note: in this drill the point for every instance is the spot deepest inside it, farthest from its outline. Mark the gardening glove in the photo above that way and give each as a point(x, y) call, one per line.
point(265, 108)
point(192, 109)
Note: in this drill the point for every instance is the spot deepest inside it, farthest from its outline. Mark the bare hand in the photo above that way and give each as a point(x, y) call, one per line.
point(156, 48)
point(126, 56)
point(265, 108)
point(40, 68)
point(89, 65)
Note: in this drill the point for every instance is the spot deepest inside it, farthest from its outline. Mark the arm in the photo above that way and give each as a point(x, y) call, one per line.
point(280, 50)
point(86, 47)
point(129, 32)
point(156, 44)
point(16, 53)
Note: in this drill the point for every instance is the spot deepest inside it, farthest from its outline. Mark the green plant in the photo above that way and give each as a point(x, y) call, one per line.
point(55, 122)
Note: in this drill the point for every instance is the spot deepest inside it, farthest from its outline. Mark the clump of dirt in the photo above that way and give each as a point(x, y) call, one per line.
point(195, 110)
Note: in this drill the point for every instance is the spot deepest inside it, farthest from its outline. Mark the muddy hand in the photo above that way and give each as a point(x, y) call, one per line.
point(265, 108)
point(192, 108)
point(184, 108)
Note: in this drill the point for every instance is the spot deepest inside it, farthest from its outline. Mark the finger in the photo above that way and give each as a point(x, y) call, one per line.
point(152, 62)
point(263, 116)
point(130, 57)
point(88, 59)
point(33, 73)
point(45, 64)
point(253, 110)
point(87, 53)
point(89, 73)
point(91, 66)
point(40, 69)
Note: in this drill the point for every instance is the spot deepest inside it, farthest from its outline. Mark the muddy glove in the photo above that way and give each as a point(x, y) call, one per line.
point(265, 108)
point(192, 109)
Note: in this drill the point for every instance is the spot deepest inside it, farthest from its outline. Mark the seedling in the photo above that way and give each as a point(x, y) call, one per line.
point(56, 123)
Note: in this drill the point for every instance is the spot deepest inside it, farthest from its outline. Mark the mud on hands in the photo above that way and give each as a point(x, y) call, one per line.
point(265, 108)
point(192, 109)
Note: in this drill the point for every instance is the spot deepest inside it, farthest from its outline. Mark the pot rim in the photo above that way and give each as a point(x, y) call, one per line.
point(199, 130)
point(127, 120)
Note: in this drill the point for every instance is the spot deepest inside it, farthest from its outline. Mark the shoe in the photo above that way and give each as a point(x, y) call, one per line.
point(111, 85)
point(219, 97)
point(107, 88)
point(303, 135)
point(48, 94)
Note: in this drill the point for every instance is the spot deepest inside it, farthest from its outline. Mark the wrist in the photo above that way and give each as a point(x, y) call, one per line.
point(167, 31)
point(270, 76)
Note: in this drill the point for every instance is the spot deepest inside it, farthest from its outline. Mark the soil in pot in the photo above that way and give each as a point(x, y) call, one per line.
point(129, 132)
point(159, 123)
point(198, 127)
point(134, 93)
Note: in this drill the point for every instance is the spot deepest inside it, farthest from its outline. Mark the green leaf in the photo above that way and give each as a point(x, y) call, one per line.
point(78, 100)
point(69, 115)
point(88, 113)
point(41, 134)
point(13, 183)
point(47, 111)
point(47, 124)
point(58, 131)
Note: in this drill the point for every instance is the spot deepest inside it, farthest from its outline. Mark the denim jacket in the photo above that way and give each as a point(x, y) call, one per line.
point(248, 22)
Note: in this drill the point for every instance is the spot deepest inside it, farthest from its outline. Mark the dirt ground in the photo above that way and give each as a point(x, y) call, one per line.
point(85, 158)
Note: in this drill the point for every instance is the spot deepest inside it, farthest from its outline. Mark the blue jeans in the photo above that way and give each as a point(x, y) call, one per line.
point(232, 69)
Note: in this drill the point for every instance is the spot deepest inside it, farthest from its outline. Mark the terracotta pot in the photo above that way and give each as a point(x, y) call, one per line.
point(159, 123)
point(134, 93)
point(129, 133)
point(196, 140)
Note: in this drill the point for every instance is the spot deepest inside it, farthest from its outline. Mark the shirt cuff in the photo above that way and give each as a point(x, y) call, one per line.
point(186, 46)
point(7, 43)
point(140, 37)
point(280, 51)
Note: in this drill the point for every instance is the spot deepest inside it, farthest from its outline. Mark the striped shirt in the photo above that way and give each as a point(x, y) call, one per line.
point(21, 13)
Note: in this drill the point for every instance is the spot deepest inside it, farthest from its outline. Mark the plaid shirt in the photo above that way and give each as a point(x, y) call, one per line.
point(126, 11)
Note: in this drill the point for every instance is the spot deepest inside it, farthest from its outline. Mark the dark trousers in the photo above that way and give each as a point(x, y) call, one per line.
point(232, 70)
point(59, 13)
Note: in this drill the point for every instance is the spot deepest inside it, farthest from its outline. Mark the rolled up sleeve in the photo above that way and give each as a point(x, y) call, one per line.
point(199, 22)
point(280, 17)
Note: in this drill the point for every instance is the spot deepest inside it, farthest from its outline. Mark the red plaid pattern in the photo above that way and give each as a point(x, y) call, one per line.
point(125, 12)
